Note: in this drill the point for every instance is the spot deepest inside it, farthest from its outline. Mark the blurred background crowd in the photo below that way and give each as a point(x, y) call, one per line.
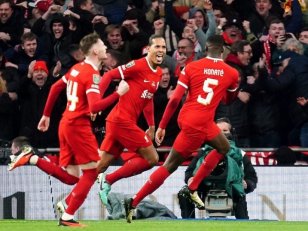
point(265, 40)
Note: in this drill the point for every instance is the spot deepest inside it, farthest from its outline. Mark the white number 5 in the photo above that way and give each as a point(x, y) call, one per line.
point(207, 89)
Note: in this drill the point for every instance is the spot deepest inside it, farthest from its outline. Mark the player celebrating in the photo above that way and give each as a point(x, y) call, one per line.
point(78, 146)
point(143, 76)
point(207, 81)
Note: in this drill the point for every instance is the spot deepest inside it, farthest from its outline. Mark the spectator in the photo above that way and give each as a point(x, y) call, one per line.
point(232, 31)
point(129, 48)
point(263, 112)
point(9, 109)
point(261, 17)
point(249, 177)
point(85, 19)
point(190, 29)
point(21, 56)
point(114, 10)
point(33, 95)
point(291, 82)
point(11, 24)
point(303, 38)
point(184, 54)
point(271, 44)
point(237, 111)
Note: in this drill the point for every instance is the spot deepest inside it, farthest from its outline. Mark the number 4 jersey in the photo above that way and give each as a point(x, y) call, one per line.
point(82, 79)
point(207, 81)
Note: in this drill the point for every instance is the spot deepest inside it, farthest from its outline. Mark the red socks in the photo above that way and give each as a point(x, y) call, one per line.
point(130, 168)
point(205, 169)
point(56, 171)
point(156, 179)
point(81, 190)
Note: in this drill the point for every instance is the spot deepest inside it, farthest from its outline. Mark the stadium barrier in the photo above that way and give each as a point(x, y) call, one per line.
point(28, 193)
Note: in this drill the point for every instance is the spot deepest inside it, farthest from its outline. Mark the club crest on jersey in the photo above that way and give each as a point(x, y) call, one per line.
point(130, 64)
point(96, 78)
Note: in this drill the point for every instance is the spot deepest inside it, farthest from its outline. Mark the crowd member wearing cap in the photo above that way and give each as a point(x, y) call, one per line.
point(33, 95)
point(11, 24)
point(291, 83)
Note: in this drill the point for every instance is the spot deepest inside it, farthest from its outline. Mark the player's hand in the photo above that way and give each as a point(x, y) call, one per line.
point(151, 132)
point(122, 88)
point(245, 184)
point(43, 125)
point(159, 136)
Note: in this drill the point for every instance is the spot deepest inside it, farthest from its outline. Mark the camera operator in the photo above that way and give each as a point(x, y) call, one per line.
point(245, 184)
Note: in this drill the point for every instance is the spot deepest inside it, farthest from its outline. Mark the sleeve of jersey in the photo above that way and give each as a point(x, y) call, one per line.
point(232, 91)
point(148, 113)
point(53, 95)
point(172, 104)
point(107, 78)
point(96, 103)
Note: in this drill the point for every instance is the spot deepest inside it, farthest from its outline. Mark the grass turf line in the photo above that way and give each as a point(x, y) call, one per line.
point(151, 225)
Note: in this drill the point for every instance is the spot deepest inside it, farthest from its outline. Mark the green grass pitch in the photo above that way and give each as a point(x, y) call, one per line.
point(155, 225)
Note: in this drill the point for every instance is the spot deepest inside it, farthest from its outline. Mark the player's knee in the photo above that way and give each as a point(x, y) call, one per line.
point(224, 149)
point(153, 160)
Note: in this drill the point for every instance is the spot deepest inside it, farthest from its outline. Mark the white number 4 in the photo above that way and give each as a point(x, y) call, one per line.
point(207, 89)
point(71, 93)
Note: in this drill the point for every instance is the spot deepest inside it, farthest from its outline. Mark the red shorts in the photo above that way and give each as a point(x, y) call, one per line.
point(120, 136)
point(77, 144)
point(189, 139)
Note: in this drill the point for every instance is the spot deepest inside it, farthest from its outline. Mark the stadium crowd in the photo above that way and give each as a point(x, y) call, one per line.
point(265, 40)
point(269, 111)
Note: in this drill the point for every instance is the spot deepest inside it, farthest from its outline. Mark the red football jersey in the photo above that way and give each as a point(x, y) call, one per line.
point(81, 79)
point(207, 81)
point(143, 82)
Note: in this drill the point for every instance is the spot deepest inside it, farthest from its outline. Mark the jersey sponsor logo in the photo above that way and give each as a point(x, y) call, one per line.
point(147, 95)
point(96, 78)
point(130, 64)
point(217, 72)
point(74, 73)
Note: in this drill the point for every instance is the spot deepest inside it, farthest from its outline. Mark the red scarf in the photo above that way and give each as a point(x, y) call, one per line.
point(268, 53)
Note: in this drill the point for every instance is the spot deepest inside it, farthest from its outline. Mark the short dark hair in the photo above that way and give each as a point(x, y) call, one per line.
point(20, 141)
point(238, 46)
point(215, 44)
point(29, 36)
point(154, 36)
point(118, 56)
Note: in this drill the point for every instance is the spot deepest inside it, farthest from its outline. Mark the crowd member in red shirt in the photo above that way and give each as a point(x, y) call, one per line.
point(143, 76)
point(78, 146)
point(207, 82)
